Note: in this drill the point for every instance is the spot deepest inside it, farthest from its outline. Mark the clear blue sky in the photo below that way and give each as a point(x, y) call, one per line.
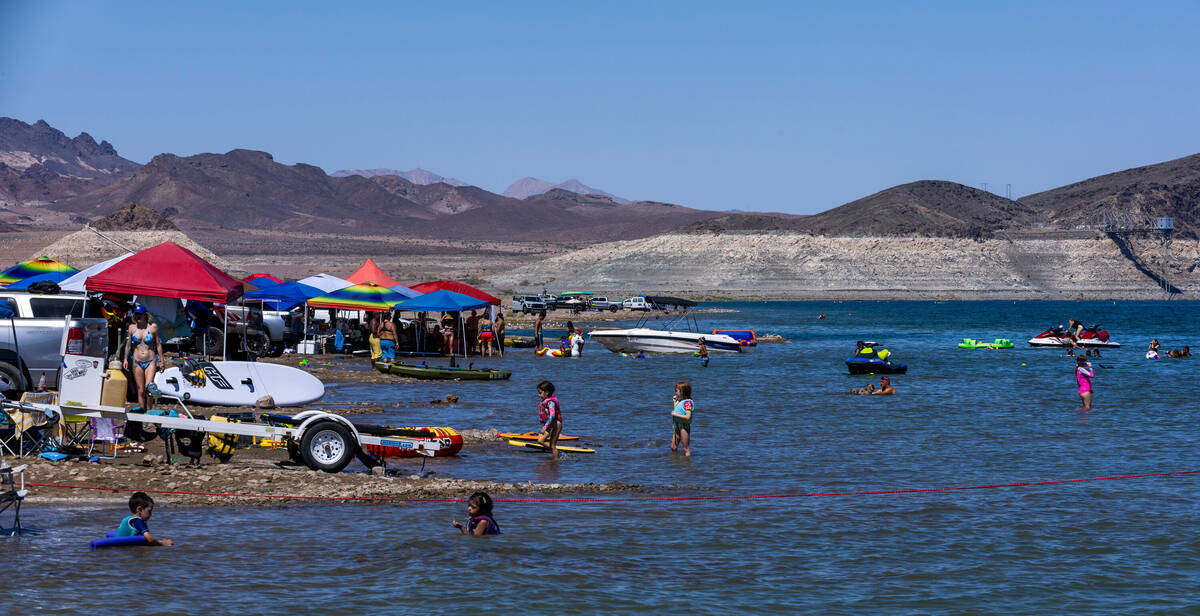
point(759, 106)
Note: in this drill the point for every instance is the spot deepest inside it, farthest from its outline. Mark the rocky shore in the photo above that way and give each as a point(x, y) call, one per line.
point(783, 265)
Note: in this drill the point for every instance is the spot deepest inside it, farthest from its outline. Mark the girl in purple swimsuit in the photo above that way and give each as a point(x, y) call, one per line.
point(480, 522)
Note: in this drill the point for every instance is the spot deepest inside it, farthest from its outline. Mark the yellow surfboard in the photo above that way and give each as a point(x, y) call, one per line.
point(532, 436)
point(541, 447)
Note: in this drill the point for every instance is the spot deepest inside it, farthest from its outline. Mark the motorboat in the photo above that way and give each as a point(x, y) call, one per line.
point(1092, 337)
point(680, 335)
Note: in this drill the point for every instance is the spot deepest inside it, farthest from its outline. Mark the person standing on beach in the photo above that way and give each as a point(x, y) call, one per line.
point(387, 339)
point(472, 333)
point(373, 323)
point(1083, 375)
point(448, 332)
point(537, 329)
point(498, 327)
point(681, 417)
point(486, 336)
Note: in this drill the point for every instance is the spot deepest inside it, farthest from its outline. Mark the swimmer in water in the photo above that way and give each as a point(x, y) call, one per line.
point(885, 387)
point(1083, 375)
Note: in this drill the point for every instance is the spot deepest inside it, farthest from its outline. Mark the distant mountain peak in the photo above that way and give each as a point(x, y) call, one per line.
point(420, 176)
point(527, 187)
point(40, 163)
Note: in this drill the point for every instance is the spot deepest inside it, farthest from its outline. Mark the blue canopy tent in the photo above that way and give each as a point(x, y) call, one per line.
point(285, 296)
point(443, 301)
point(51, 276)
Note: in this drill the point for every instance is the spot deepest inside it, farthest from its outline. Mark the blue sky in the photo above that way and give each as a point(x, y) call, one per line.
point(785, 106)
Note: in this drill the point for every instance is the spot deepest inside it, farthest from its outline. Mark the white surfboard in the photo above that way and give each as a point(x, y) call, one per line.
point(241, 383)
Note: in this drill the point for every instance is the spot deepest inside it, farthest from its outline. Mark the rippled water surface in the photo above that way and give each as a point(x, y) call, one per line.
point(777, 421)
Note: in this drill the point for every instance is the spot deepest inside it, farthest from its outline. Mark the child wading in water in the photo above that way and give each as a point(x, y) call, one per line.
point(142, 506)
point(480, 522)
point(550, 414)
point(1083, 375)
point(702, 352)
point(681, 415)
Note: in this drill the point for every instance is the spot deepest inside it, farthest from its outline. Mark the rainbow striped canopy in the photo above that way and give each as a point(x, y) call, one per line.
point(364, 296)
point(33, 267)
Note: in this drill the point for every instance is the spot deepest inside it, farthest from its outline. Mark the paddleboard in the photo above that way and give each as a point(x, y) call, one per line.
point(532, 436)
point(241, 383)
point(540, 447)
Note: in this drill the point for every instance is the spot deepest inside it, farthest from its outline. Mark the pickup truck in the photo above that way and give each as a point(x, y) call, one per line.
point(602, 303)
point(636, 303)
point(528, 304)
point(32, 341)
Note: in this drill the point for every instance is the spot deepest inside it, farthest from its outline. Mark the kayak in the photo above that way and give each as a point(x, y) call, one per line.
point(874, 365)
point(999, 343)
point(532, 436)
point(540, 447)
point(441, 372)
point(518, 342)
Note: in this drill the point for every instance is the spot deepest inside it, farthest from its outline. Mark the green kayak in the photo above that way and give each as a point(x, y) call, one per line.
point(998, 343)
point(441, 372)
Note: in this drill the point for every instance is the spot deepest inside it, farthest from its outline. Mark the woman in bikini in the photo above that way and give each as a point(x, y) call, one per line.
point(145, 352)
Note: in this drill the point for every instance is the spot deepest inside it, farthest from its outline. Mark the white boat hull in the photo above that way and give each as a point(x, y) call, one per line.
point(644, 339)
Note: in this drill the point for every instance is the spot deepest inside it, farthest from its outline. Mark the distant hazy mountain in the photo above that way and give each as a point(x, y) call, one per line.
point(40, 163)
point(528, 187)
point(416, 176)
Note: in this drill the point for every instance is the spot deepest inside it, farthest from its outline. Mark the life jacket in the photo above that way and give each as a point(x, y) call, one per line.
point(866, 353)
point(544, 409)
point(492, 529)
point(126, 529)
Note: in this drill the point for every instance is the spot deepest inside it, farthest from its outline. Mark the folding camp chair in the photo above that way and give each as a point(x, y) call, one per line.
point(106, 433)
point(32, 429)
point(11, 495)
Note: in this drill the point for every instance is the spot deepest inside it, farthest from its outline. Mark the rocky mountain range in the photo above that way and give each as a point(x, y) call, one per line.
point(525, 188)
point(416, 176)
point(40, 163)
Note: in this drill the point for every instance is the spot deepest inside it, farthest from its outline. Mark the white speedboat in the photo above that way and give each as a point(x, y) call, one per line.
point(680, 335)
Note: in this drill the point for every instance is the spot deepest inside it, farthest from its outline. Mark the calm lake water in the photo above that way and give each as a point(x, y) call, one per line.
point(779, 420)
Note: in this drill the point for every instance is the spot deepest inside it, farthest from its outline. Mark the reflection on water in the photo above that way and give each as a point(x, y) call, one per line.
point(776, 421)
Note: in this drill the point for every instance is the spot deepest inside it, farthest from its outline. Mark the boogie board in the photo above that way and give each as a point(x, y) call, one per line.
point(532, 436)
point(540, 447)
point(240, 383)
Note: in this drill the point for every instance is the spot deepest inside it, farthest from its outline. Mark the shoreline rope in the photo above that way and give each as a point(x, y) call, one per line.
point(620, 499)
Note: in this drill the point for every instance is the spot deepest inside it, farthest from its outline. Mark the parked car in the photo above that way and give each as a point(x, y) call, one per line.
point(43, 326)
point(528, 304)
point(602, 303)
point(636, 303)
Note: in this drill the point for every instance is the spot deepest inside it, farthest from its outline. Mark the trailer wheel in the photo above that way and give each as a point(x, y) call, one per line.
point(327, 446)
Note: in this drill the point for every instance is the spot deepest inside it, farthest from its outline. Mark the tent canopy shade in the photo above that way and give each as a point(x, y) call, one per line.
point(441, 301)
point(167, 270)
point(24, 283)
point(369, 272)
point(326, 283)
point(286, 296)
point(457, 287)
point(261, 280)
point(76, 282)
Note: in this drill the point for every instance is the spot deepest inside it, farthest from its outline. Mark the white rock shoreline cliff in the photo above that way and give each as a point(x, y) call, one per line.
point(780, 265)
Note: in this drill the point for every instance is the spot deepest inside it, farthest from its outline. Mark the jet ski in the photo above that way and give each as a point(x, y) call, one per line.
point(1058, 337)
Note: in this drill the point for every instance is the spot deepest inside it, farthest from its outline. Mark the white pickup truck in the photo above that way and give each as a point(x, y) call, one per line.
point(32, 340)
point(636, 303)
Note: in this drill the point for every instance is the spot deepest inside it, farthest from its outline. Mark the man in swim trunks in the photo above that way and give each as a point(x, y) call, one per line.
point(885, 387)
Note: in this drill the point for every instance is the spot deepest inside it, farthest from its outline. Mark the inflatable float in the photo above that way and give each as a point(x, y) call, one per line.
point(111, 540)
point(553, 352)
point(998, 343)
point(442, 372)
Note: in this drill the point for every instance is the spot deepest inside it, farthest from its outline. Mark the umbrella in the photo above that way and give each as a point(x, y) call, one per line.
point(33, 267)
point(359, 297)
point(52, 277)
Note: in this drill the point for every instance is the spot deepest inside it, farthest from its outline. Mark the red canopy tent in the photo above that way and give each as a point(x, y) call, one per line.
point(252, 277)
point(457, 287)
point(369, 272)
point(167, 270)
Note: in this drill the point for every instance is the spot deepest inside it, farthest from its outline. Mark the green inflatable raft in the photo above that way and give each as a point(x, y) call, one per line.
point(442, 372)
point(998, 343)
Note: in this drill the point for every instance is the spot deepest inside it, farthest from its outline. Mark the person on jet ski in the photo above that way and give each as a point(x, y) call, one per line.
point(862, 350)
